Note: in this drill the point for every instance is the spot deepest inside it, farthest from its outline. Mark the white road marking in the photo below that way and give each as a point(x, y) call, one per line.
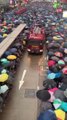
point(38, 87)
point(22, 79)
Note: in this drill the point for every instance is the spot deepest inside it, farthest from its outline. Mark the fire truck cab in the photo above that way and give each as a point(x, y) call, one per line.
point(36, 40)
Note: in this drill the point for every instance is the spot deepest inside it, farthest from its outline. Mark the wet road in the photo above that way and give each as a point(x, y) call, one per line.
point(22, 103)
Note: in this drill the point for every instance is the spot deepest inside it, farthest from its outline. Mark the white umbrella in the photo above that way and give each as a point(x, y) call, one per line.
point(3, 89)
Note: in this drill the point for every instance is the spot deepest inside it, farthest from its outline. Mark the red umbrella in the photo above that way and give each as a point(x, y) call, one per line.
point(51, 63)
point(64, 70)
point(58, 54)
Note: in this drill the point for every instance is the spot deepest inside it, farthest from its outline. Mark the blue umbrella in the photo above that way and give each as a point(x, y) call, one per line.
point(1, 36)
point(7, 53)
point(58, 75)
point(48, 72)
point(51, 76)
point(13, 50)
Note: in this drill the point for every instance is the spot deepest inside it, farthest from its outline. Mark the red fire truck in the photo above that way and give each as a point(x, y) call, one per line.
point(36, 40)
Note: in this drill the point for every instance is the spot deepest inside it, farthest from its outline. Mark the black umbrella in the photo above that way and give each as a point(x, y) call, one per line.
point(63, 86)
point(50, 53)
point(55, 58)
point(54, 68)
point(56, 45)
point(59, 94)
point(6, 54)
point(43, 95)
point(64, 78)
point(48, 84)
point(65, 45)
point(46, 106)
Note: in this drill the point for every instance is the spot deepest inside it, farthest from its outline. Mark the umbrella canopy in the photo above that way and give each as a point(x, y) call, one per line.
point(11, 57)
point(54, 68)
point(48, 84)
point(43, 95)
point(55, 58)
point(65, 59)
point(1, 100)
point(58, 75)
point(64, 106)
point(65, 50)
point(3, 71)
point(17, 45)
point(61, 62)
point(51, 63)
point(50, 53)
point(4, 61)
point(4, 23)
point(55, 38)
point(3, 77)
point(59, 10)
point(59, 94)
point(5, 27)
point(46, 115)
point(1, 37)
point(65, 45)
point(57, 103)
point(56, 5)
point(63, 87)
point(46, 106)
point(3, 89)
point(51, 76)
point(64, 70)
point(60, 114)
point(51, 45)
point(65, 93)
point(13, 50)
point(4, 35)
point(64, 80)
point(58, 54)
point(7, 53)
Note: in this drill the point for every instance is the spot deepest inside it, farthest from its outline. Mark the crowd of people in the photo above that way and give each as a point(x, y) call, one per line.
point(10, 60)
point(54, 94)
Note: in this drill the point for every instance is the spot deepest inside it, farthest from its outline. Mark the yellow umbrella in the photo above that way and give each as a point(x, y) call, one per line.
point(55, 38)
point(60, 114)
point(3, 77)
point(4, 35)
point(11, 57)
point(5, 27)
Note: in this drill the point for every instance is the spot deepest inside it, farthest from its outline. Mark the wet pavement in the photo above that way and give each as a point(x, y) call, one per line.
point(22, 103)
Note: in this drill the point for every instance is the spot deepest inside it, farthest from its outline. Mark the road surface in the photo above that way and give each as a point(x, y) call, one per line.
point(22, 103)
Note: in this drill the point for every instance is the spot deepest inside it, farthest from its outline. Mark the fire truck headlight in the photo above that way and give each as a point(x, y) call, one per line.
point(28, 50)
point(41, 50)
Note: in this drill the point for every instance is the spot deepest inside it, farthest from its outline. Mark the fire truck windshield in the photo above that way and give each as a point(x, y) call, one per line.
point(35, 42)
